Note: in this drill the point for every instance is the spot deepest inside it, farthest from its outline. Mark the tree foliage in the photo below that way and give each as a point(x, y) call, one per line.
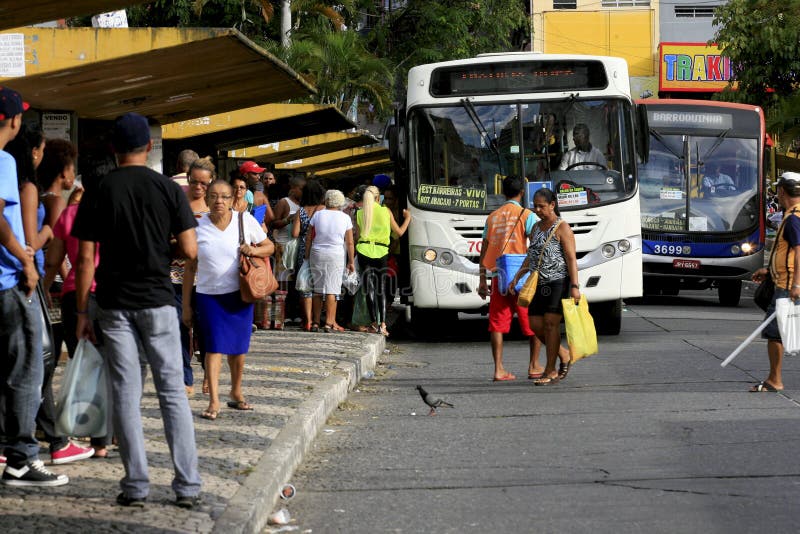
point(422, 31)
point(761, 38)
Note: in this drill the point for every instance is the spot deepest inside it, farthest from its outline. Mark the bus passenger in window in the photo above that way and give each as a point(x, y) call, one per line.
point(583, 152)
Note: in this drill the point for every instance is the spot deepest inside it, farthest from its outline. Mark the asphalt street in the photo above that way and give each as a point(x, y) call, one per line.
point(650, 435)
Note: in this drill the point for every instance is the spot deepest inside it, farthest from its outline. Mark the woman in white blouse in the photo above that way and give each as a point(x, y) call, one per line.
point(329, 237)
point(224, 319)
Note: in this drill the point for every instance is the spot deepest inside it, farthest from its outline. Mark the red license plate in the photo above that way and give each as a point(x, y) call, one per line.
point(686, 264)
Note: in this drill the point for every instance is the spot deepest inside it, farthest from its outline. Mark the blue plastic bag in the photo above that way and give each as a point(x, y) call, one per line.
point(83, 400)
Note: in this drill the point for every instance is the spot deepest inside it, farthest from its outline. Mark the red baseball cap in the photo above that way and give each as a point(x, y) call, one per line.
point(11, 103)
point(250, 166)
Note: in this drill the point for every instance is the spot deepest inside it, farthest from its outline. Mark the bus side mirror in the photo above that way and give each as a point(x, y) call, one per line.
point(642, 133)
point(397, 144)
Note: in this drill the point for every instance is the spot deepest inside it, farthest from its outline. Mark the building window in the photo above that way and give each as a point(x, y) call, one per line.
point(625, 3)
point(694, 12)
point(565, 4)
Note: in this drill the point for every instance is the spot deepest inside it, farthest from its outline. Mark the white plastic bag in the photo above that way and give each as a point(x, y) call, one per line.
point(83, 398)
point(350, 281)
point(303, 283)
point(789, 325)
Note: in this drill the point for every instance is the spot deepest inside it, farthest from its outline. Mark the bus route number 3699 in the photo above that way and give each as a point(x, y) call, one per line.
point(672, 250)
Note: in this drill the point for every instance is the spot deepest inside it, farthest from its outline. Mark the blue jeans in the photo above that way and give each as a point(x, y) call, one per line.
point(156, 330)
point(21, 372)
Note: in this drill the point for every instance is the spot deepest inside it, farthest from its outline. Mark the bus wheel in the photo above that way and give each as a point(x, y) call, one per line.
point(607, 317)
point(729, 292)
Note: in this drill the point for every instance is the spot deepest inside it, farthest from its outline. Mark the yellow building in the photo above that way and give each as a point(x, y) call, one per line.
point(621, 28)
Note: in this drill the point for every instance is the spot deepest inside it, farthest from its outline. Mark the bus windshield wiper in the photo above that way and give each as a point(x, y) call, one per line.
point(663, 141)
point(476, 120)
point(717, 142)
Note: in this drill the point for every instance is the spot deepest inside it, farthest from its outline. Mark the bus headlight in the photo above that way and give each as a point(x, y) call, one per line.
point(747, 248)
point(446, 258)
point(608, 250)
point(624, 245)
point(429, 255)
point(735, 250)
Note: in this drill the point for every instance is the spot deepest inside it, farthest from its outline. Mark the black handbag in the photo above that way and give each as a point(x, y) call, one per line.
point(764, 292)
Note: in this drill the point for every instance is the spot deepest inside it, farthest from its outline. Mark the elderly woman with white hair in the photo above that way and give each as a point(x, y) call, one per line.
point(331, 233)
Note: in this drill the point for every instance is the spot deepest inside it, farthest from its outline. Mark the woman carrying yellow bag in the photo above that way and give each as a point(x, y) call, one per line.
point(552, 248)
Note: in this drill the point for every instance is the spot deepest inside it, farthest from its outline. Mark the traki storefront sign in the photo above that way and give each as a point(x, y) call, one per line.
point(692, 67)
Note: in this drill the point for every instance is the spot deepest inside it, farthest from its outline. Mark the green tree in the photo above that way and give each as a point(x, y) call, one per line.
point(338, 65)
point(761, 39)
point(422, 31)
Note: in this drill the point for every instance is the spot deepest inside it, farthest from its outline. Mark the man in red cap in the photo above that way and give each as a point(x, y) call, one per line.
point(21, 364)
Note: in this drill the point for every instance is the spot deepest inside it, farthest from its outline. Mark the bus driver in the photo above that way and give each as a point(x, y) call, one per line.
point(583, 151)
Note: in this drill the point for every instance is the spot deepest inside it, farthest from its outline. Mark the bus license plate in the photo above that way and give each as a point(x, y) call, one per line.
point(686, 264)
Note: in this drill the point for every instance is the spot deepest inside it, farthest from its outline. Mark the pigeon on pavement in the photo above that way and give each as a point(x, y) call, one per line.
point(432, 402)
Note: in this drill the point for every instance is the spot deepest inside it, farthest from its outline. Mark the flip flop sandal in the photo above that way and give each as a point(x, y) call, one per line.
point(505, 378)
point(546, 381)
point(240, 405)
point(314, 327)
point(210, 415)
point(563, 369)
point(763, 387)
point(535, 376)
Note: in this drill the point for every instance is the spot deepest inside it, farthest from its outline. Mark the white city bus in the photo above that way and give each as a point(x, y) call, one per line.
point(469, 123)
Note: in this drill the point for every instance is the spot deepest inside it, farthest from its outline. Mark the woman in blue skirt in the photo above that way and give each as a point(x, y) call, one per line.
point(225, 321)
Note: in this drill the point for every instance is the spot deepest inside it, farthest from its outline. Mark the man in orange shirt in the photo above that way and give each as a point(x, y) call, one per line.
point(506, 232)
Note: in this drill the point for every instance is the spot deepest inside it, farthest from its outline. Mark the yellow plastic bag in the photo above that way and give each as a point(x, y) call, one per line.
point(581, 335)
point(528, 290)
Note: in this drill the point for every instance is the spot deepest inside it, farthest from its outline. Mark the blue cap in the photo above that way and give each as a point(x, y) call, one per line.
point(11, 103)
point(131, 131)
point(381, 181)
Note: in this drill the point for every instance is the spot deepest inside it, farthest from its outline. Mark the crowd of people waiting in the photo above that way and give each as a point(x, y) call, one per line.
point(147, 267)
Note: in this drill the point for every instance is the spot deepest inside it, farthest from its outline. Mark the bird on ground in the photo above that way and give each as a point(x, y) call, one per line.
point(432, 402)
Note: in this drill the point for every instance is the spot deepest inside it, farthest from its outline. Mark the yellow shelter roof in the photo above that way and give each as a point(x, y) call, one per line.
point(303, 147)
point(334, 160)
point(258, 125)
point(169, 74)
point(354, 170)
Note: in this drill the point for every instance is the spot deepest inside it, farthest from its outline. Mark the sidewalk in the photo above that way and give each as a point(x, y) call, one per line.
point(293, 379)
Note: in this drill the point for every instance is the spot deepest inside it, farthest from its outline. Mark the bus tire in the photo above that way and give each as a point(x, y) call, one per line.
point(607, 317)
point(729, 292)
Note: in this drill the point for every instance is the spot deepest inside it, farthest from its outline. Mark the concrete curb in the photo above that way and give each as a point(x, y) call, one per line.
point(248, 510)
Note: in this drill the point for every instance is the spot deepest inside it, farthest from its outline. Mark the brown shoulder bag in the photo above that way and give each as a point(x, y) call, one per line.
point(256, 280)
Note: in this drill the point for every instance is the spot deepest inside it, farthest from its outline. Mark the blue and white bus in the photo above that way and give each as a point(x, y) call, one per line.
point(702, 197)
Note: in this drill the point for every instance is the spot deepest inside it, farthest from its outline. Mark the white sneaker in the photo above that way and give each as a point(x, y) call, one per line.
point(32, 474)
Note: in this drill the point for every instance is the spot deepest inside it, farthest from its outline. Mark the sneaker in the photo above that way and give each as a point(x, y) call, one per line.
point(32, 474)
point(2, 460)
point(187, 502)
point(136, 502)
point(71, 453)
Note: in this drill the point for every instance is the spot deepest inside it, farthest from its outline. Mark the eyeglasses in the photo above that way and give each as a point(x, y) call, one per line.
point(215, 196)
point(200, 183)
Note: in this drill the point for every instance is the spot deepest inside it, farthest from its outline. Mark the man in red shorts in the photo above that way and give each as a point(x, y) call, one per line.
point(506, 232)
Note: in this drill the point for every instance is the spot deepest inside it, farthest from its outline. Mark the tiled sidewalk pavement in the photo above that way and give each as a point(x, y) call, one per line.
point(293, 379)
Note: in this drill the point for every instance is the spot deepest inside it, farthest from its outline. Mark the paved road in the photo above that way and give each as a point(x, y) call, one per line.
point(650, 435)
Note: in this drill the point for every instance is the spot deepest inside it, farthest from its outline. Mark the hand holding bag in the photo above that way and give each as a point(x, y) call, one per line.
point(83, 398)
point(256, 280)
point(528, 290)
point(303, 282)
point(788, 325)
point(764, 292)
point(581, 335)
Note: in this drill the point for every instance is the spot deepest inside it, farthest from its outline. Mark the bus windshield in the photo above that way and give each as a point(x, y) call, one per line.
point(582, 149)
point(700, 184)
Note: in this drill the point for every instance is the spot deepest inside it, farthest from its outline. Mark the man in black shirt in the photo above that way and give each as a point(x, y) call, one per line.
point(131, 214)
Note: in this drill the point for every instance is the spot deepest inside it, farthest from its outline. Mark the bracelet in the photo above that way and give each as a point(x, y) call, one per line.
point(576, 286)
point(84, 312)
